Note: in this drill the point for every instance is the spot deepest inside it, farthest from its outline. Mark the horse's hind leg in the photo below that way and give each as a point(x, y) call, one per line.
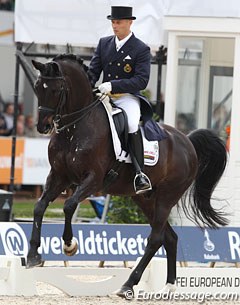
point(51, 191)
point(155, 241)
point(170, 245)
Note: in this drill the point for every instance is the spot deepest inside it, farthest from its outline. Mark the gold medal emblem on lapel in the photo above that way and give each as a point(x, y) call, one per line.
point(127, 68)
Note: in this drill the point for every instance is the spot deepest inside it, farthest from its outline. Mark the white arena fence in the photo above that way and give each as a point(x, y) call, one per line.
point(121, 243)
point(193, 283)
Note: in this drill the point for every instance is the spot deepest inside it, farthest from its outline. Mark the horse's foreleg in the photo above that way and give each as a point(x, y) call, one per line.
point(82, 191)
point(52, 190)
point(33, 257)
point(70, 246)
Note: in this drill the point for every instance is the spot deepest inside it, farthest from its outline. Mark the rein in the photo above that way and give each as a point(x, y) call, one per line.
point(80, 114)
point(61, 122)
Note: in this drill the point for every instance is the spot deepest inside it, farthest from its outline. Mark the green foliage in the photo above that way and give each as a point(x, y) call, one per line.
point(156, 117)
point(24, 209)
point(124, 210)
point(146, 93)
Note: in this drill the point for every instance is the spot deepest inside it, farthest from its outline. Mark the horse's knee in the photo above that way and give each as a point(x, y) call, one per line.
point(69, 207)
point(39, 209)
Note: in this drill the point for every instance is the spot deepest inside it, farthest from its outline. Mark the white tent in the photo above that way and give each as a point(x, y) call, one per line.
point(83, 22)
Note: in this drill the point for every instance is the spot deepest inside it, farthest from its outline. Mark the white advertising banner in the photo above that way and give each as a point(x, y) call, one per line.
point(31, 160)
point(35, 161)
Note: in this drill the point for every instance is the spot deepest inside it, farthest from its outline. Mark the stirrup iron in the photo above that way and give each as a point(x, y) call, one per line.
point(147, 179)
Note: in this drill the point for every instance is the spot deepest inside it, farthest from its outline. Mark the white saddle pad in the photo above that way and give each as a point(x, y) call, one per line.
point(151, 148)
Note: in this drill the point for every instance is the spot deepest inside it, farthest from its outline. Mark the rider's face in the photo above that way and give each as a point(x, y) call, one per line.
point(121, 28)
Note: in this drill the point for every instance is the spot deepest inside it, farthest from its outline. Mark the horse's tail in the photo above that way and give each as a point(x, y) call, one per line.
point(212, 159)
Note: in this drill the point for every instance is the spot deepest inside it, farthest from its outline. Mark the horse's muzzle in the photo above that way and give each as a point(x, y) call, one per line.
point(45, 124)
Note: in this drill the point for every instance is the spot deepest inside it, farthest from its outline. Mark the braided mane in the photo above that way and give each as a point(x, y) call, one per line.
point(73, 57)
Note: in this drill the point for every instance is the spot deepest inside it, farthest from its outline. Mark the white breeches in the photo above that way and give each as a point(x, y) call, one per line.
point(131, 105)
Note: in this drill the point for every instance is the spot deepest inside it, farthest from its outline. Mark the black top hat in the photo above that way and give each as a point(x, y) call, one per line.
point(121, 12)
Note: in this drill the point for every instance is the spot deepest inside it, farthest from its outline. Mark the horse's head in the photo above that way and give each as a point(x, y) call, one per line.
point(51, 91)
point(63, 89)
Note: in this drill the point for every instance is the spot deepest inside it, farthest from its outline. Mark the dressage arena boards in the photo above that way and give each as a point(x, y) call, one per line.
point(93, 283)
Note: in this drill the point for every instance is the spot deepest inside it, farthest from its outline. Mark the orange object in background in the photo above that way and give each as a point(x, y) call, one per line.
point(228, 130)
point(6, 159)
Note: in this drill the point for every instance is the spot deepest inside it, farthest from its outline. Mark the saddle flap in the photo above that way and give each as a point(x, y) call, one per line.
point(120, 122)
point(151, 148)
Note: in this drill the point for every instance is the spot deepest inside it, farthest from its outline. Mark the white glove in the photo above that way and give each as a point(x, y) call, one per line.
point(105, 88)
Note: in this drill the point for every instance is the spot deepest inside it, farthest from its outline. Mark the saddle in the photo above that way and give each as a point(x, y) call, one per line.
point(117, 118)
point(151, 133)
point(120, 121)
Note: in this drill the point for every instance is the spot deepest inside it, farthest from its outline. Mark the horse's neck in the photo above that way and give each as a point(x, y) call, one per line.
point(80, 99)
point(80, 94)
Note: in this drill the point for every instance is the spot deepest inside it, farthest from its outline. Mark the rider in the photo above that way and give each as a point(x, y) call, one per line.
point(125, 62)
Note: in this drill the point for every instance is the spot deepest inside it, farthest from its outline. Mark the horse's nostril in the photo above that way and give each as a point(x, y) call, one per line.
point(47, 128)
point(44, 129)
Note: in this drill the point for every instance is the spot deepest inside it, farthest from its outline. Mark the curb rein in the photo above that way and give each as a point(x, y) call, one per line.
point(59, 119)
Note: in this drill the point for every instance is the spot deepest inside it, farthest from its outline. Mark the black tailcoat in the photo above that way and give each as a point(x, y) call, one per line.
point(128, 70)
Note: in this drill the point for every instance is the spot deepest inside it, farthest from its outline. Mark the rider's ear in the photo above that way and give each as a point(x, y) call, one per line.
point(38, 65)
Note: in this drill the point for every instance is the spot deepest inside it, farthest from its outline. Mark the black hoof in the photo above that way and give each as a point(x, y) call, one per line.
point(126, 293)
point(34, 261)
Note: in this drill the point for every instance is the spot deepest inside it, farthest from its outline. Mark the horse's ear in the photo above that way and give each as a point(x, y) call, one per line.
point(38, 65)
point(55, 68)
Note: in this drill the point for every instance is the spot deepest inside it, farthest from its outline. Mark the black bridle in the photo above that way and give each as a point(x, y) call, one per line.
point(63, 121)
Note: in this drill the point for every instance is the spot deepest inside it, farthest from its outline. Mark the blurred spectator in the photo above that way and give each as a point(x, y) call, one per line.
point(7, 5)
point(185, 122)
point(21, 118)
point(30, 127)
point(1, 104)
point(220, 115)
point(20, 129)
point(3, 126)
point(8, 116)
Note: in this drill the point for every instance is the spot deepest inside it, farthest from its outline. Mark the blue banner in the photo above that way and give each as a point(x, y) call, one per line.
point(106, 242)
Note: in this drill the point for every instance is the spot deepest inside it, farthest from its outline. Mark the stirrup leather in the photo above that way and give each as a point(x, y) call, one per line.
point(139, 191)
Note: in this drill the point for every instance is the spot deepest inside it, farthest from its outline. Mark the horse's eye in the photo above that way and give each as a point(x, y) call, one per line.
point(45, 85)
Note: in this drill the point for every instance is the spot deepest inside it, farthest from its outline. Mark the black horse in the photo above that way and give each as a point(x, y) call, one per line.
point(81, 153)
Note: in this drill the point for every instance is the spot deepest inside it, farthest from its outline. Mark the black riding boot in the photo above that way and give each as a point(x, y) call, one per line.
point(141, 181)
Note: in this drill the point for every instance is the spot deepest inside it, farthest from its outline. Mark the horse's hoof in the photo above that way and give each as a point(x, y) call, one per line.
point(34, 261)
point(72, 249)
point(168, 288)
point(126, 293)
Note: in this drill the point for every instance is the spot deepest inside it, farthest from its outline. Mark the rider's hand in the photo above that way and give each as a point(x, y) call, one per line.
point(105, 88)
